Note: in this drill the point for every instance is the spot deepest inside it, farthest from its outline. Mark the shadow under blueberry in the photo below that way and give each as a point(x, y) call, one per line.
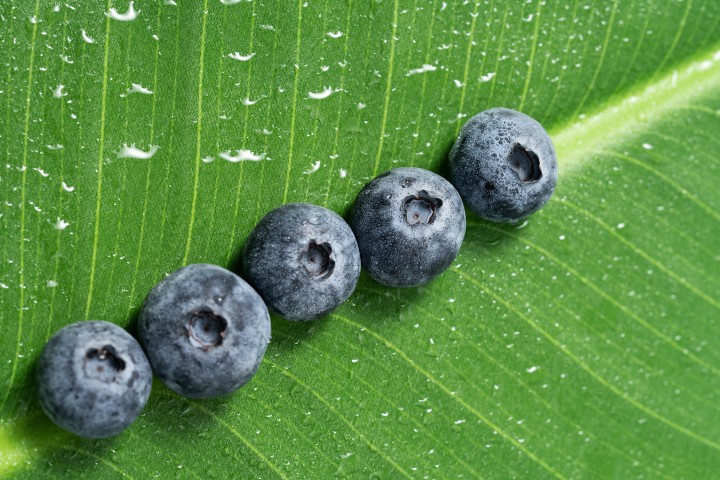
point(376, 306)
point(176, 415)
point(236, 262)
point(56, 449)
point(286, 335)
point(132, 324)
point(443, 166)
point(483, 237)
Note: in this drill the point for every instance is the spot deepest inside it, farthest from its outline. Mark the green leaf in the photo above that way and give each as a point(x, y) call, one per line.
point(582, 343)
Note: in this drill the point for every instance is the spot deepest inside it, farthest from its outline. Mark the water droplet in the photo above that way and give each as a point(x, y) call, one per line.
point(487, 77)
point(136, 88)
point(326, 92)
point(241, 155)
point(87, 38)
point(133, 152)
point(315, 167)
point(129, 15)
point(242, 58)
point(58, 91)
point(61, 224)
point(425, 68)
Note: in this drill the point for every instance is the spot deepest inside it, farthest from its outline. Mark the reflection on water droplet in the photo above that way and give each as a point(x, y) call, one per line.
point(487, 77)
point(87, 38)
point(242, 58)
point(136, 88)
point(133, 152)
point(425, 68)
point(315, 167)
point(58, 91)
point(61, 224)
point(241, 155)
point(326, 92)
point(129, 15)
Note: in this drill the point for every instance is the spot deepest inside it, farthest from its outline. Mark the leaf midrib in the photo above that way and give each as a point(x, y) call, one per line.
point(645, 104)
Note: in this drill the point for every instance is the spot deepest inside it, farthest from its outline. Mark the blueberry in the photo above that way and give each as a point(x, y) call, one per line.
point(503, 164)
point(303, 259)
point(93, 379)
point(409, 224)
point(204, 330)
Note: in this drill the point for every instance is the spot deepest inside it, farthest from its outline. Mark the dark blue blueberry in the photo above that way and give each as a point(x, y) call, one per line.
point(93, 379)
point(503, 164)
point(204, 330)
point(303, 259)
point(409, 224)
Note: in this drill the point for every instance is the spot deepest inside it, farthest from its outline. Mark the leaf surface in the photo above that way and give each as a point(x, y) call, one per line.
point(582, 343)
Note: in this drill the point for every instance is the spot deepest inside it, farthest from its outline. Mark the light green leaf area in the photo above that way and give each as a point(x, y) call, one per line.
point(582, 343)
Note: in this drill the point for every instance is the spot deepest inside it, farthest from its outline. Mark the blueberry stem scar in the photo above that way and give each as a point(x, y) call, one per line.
point(206, 329)
point(317, 261)
point(103, 363)
point(420, 208)
point(525, 163)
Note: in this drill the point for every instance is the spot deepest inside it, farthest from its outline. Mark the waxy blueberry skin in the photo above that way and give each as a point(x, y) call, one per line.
point(303, 259)
point(93, 379)
point(409, 224)
point(504, 165)
point(204, 330)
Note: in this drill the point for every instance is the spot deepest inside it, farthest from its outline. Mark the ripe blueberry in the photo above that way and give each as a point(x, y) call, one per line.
point(93, 379)
point(204, 330)
point(409, 224)
point(303, 259)
point(503, 164)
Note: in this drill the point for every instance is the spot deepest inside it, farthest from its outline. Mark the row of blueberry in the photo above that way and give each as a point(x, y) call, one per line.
point(204, 330)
